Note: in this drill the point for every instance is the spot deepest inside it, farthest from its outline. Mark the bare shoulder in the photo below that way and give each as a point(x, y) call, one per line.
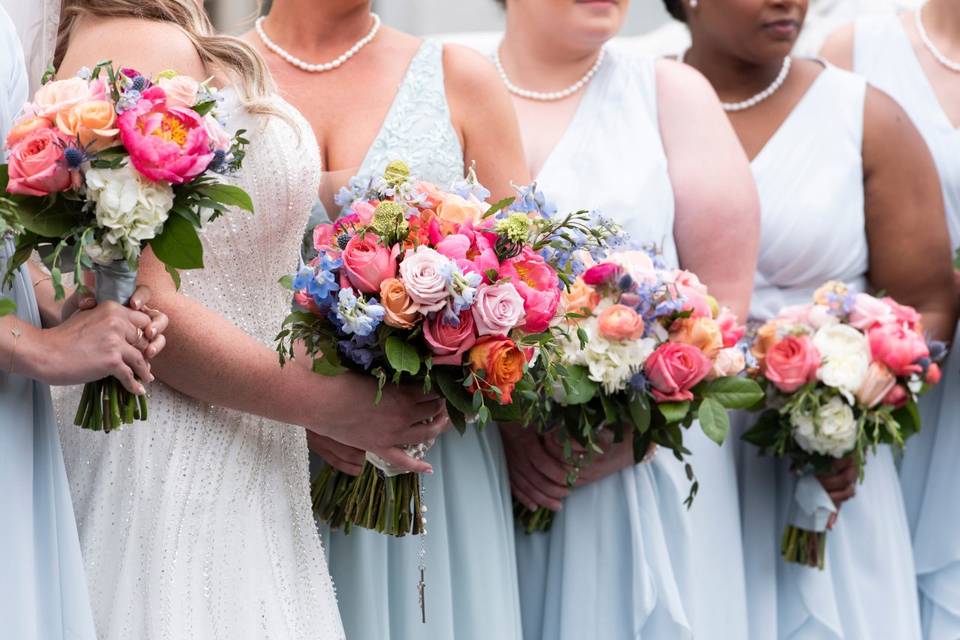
point(889, 135)
point(467, 73)
point(146, 45)
point(679, 84)
point(838, 48)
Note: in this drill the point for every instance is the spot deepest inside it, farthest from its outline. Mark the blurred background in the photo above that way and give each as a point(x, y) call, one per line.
point(422, 17)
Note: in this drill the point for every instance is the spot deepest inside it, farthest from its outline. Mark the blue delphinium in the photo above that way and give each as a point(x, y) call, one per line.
point(360, 349)
point(354, 315)
point(463, 291)
point(128, 100)
point(531, 199)
point(320, 281)
point(466, 188)
point(840, 304)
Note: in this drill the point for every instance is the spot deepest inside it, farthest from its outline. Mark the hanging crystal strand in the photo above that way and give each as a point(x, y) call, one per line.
point(422, 556)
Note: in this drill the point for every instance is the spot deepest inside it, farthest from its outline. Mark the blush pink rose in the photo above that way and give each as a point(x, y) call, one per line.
point(791, 363)
point(538, 285)
point(166, 144)
point(638, 264)
point(305, 301)
point(675, 368)
point(620, 322)
point(364, 211)
point(497, 309)
point(897, 347)
point(24, 127)
point(729, 362)
point(472, 251)
point(367, 263)
point(868, 311)
point(220, 140)
point(875, 386)
point(601, 273)
point(36, 166)
point(181, 91)
point(694, 294)
point(449, 342)
point(730, 329)
point(61, 96)
point(422, 272)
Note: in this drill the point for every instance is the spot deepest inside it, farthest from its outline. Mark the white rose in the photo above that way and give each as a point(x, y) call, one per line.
point(846, 357)
point(832, 431)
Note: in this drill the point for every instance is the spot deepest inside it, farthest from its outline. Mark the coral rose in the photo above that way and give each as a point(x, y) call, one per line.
point(581, 298)
point(502, 364)
point(24, 127)
point(92, 123)
point(791, 363)
point(701, 332)
point(367, 263)
point(36, 166)
point(673, 369)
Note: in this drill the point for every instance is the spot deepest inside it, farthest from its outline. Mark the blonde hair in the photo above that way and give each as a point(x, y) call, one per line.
point(225, 54)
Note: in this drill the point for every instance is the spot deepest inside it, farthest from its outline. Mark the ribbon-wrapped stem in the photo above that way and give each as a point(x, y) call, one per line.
point(805, 536)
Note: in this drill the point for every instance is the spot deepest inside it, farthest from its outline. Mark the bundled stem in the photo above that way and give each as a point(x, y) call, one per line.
point(106, 405)
point(804, 547)
point(533, 521)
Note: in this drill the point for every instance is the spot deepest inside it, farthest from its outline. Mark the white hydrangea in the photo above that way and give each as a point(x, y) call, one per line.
point(129, 208)
point(832, 431)
point(611, 364)
point(846, 357)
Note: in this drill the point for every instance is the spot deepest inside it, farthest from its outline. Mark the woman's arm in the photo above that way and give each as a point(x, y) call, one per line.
point(906, 224)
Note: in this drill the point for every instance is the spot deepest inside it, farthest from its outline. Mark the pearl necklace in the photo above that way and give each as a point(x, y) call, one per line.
point(928, 43)
point(316, 68)
point(551, 95)
point(760, 97)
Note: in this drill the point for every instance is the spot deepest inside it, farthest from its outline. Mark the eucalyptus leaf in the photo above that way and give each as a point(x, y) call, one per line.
point(579, 388)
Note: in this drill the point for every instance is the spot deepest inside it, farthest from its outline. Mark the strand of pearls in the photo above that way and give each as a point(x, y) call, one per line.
point(548, 96)
point(953, 65)
point(760, 97)
point(325, 66)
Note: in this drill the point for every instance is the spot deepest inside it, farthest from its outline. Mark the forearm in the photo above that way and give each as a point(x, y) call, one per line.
point(21, 349)
point(51, 309)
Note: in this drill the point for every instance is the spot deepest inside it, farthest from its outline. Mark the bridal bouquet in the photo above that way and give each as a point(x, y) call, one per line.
point(417, 284)
point(109, 162)
point(647, 353)
point(842, 375)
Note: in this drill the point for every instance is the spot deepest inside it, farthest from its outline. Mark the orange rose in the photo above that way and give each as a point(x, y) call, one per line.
point(620, 322)
point(24, 128)
point(402, 312)
point(766, 338)
point(580, 298)
point(454, 211)
point(93, 122)
point(703, 333)
point(502, 364)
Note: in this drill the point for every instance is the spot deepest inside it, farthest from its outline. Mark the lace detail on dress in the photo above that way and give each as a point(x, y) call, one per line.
point(197, 523)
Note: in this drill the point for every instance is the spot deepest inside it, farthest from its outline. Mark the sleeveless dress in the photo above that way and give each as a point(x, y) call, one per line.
point(624, 558)
point(43, 591)
point(471, 580)
point(929, 473)
point(197, 523)
point(810, 180)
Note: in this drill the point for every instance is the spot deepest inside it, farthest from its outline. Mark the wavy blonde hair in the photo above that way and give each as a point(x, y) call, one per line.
point(228, 55)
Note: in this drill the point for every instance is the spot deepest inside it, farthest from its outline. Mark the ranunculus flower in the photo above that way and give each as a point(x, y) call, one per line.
point(166, 143)
point(424, 274)
point(453, 211)
point(497, 309)
point(601, 273)
point(731, 330)
point(832, 432)
point(91, 122)
point(694, 294)
point(791, 363)
point(701, 332)
point(581, 298)
point(845, 357)
point(60, 96)
point(538, 285)
point(502, 364)
point(471, 250)
point(402, 312)
point(729, 362)
point(898, 347)
point(868, 311)
point(36, 166)
point(876, 385)
point(933, 374)
point(181, 91)
point(367, 263)
point(673, 369)
point(619, 322)
point(24, 127)
point(447, 341)
point(897, 397)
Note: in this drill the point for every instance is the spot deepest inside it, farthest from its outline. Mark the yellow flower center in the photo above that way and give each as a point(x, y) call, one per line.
point(172, 129)
point(524, 274)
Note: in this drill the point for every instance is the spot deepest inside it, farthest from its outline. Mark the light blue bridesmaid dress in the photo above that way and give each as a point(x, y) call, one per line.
point(930, 469)
point(43, 590)
point(471, 577)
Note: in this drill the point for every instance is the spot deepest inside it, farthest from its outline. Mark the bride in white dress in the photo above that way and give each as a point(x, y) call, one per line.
point(197, 523)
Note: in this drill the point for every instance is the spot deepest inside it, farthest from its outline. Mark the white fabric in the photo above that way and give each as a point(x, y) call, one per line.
point(36, 22)
point(13, 80)
point(197, 523)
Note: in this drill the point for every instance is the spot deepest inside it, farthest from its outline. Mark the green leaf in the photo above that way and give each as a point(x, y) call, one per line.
point(714, 420)
point(764, 433)
point(734, 393)
point(908, 417)
point(639, 410)
point(229, 195)
point(7, 306)
point(483, 415)
point(179, 245)
point(286, 282)
point(402, 357)
point(451, 389)
point(498, 206)
point(579, 388)
point(325, 367)
point(674, 411)
point(203, 108)
point(456, 417)
point(174, 275)
point(45, 218)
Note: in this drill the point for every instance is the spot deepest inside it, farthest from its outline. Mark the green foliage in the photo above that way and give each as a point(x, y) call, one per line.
point(403, 357)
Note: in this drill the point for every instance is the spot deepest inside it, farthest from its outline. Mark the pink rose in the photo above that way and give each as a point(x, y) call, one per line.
point(875, 386)
point(897, 397)
point(729, 362)
point(423, 275)
point(730, 329)
point(694, 294)
point(897, 347)
point(305, 301)
point(36, 166)
point(538, 285)
point(620, 322)
point(364, 211)
point(791, 363)
point(168, 144)
point(220, 140)
point(447, 341)
point(497, 309)
point(905, 315)
point(181, 91)
point(601, 273)
point(24, 127)
point(471, 250)
point(324, 238)
point(868, 311)
point(61, 96)
point(675, 368)
point(368, 263)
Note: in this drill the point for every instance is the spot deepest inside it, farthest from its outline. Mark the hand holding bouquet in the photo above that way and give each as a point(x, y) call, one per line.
point(842, 375)
point(105, 164)
point(648, 351)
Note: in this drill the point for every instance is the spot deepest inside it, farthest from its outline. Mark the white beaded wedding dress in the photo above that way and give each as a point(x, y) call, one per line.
point(197, 523)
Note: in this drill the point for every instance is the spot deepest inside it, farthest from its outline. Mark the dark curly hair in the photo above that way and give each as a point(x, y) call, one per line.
point(675, 9)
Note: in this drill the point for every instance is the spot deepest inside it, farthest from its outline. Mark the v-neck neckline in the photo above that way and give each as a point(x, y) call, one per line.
point(787, 121)
point(924, 79)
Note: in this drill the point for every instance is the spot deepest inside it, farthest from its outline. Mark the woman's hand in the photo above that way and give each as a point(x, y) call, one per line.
point(342, 457)
point(615, 456)
point(537, 478)
point(841, 484)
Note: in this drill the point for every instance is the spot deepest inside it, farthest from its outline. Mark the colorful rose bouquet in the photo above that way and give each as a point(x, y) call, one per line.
point(648, 352)
point(106, 163)
point(842, 375)
point(435, 287)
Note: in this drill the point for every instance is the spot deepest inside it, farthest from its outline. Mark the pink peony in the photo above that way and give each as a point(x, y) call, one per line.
point(449, 342)
point(905, 315)
point(497, 309)
point(422, 272)
point(791, 363)
point(675, 368)
point(471, 250)
point(730, 329)
point(367, 263)
point(36, 166)
point(168, 144)
point(868, 311)
point(538, 285)
point(897, 347)
point(601, 273)
point(875, 386)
